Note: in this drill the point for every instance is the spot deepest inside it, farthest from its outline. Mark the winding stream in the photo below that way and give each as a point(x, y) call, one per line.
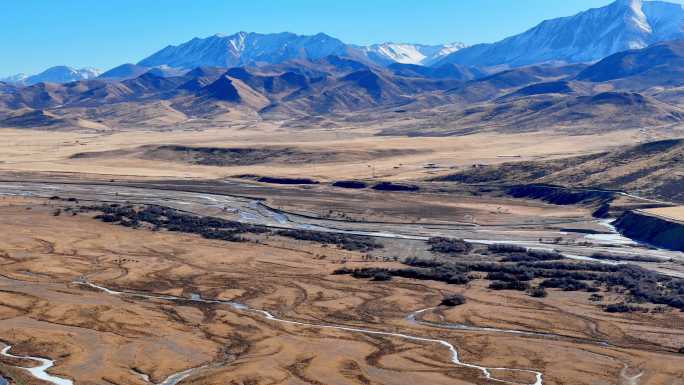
point(39, 372)
point(454, 356)
point(415, 319)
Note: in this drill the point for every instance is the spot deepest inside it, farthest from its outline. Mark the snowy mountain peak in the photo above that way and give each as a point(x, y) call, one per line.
point(585, 37)
point(57, 74)
point(245, 48)
point(248, 48)
point(405, 53)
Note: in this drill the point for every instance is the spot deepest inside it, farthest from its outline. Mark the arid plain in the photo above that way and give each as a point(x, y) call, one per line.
point(151, 303)
point(302, 211)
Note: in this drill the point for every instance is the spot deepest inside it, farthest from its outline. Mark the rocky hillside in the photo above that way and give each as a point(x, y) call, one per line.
point(654, 169)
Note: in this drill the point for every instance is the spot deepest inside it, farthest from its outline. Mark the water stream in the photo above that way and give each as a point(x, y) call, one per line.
point(454, 356)
point(40, 371)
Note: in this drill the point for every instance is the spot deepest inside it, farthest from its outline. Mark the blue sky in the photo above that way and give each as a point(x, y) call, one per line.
point(36, 34)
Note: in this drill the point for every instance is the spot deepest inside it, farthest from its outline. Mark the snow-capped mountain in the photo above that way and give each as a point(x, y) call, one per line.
point(404, 53)
point(587, 36)
point(15, 79)
point(57, 74)
point(245, 48)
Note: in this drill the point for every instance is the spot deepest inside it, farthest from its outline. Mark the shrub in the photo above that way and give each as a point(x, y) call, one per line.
point(389, 186)
point(453, 300)
point(512, 285)
point(505, 248)
point(449, 246)
point(509, 277)
point(596, 297)
point(567, 284)
point(382, 276)
point(628, 258)
point(623, 308)
point(538, 292)
point(353, 184)
point(345, 241)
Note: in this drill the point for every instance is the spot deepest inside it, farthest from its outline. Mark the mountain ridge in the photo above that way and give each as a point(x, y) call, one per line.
point(56, 74)
point(584, 37)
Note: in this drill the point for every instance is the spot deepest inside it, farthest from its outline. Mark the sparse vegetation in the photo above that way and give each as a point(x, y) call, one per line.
point(389, 186)
point(627, 258)
point(509, 285)
point(382, 276)
point(635, 283)
point(501, 248)
point(452, 300)
point(345, 241)
point(161, 218)
point(353, 184)
point(596, 297)
point(274, 180)
point(538, 292)
point(449, 246)
point(624, 308)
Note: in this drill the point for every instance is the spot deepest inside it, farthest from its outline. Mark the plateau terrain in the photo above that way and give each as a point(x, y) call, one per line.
point(280, 208)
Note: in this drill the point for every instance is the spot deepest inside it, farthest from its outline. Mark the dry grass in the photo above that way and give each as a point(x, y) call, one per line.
point(676, 213)
point(46, 151)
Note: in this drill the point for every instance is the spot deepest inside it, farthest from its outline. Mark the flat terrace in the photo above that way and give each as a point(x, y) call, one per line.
point(671, 213)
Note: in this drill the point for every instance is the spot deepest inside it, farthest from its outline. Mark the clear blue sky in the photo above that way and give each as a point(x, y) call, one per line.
point(36, 34)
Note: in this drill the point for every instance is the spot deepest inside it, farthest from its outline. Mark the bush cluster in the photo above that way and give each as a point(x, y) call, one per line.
point(453, 300)
point(449, 246)
point(345, 241)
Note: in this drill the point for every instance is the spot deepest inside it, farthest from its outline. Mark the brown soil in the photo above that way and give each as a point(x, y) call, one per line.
point(102, 339)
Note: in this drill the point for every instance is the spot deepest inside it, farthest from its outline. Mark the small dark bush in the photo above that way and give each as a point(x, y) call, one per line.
point(505, 248)
point(354, 184)
point(567, 284)
point(448, 245)
point(538, 292)
point(628, 258)
point(623, 308)
point(453, 300)
point(510, 277)
point(382, 276)
point(596, 297)
point(106, 218)
point(513, 285)
point(389, 186)
point(345, 241)
point(418, 262)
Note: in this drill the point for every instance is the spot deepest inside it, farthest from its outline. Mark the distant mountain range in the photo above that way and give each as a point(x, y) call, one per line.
point(249, 49)
point(586, 37)
point(634, 89)
point(57, 74)
point(415, 90)
point(252, 49)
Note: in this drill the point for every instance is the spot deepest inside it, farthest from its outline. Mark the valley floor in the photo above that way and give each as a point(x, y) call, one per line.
point(353, 152)
point(109, 304)
point(348, 331)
